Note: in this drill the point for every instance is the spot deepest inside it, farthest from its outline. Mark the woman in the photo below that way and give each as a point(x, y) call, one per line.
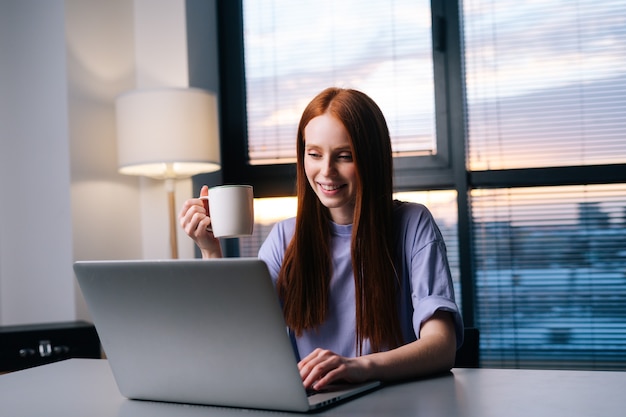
point(363, 279)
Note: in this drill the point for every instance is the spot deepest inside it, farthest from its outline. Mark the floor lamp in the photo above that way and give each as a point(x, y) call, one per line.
point(167, 134)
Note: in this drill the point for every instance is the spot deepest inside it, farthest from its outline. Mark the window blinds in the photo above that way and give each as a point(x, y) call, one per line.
point(546, 87)
point(295, 49)
point(551, 276)
point(546, 83)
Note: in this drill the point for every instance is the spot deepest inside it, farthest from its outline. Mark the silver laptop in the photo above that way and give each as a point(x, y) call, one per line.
point(198, 332)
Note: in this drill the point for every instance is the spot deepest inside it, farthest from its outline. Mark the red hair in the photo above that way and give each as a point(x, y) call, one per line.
point(304, 279)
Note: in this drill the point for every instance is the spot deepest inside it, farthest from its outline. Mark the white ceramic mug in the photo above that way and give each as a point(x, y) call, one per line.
point(231, 210)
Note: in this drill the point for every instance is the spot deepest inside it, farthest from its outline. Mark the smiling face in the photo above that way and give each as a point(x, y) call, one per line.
point(329, 166)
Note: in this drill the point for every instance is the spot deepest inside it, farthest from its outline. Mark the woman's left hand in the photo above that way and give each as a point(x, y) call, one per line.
point(322, 367)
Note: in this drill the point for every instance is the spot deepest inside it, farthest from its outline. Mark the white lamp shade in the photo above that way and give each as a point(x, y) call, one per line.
point(167, 132)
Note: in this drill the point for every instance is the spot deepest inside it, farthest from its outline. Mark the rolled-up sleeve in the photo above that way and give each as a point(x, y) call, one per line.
point(426, 264)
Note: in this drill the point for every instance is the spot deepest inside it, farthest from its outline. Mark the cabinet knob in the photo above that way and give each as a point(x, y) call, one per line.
point(45, 348)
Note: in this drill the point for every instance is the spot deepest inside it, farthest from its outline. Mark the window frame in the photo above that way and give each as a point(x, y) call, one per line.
point(275, 180)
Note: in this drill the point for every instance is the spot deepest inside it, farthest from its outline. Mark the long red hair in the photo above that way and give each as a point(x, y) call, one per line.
point(304, 279)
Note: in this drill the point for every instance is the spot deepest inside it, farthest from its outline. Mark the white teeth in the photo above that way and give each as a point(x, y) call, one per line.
point(330, 187)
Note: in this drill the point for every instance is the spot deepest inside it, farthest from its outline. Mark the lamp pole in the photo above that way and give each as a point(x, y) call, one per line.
point(170, 188)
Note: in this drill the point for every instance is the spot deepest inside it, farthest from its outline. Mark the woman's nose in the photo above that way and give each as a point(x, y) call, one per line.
point(328, 168)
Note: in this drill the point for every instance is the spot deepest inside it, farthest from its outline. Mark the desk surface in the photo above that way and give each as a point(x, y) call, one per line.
point(85, 387)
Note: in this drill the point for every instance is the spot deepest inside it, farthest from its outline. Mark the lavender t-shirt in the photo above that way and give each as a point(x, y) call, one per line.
point(426, 283)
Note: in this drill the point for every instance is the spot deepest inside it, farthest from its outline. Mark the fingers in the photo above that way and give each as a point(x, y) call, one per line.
point(193, 216)
point(204, 192)
point(322, 367)
point(195, 221)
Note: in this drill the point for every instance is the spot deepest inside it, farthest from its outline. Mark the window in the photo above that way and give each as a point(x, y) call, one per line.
point(551, 286)
point(293, 50)
point(547, 93)
point(546, 98)
point(277, 55)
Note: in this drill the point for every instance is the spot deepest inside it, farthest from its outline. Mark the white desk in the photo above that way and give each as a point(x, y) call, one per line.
point(85, 387)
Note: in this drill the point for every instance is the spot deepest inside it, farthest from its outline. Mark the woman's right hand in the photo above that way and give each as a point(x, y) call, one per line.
point(194, 219)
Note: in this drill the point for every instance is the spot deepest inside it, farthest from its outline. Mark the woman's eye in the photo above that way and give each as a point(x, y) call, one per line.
point(345, 157)
point(314, 154)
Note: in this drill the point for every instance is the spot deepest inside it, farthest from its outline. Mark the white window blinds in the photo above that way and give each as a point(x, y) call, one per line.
point(546, 82)
point(550, 276)
point(546, 87)
point(295, 49)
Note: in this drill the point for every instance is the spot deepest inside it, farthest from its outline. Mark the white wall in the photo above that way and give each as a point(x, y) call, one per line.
point(62, 63)
point(161, 61)
point(35, 218)
point(106, 221)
